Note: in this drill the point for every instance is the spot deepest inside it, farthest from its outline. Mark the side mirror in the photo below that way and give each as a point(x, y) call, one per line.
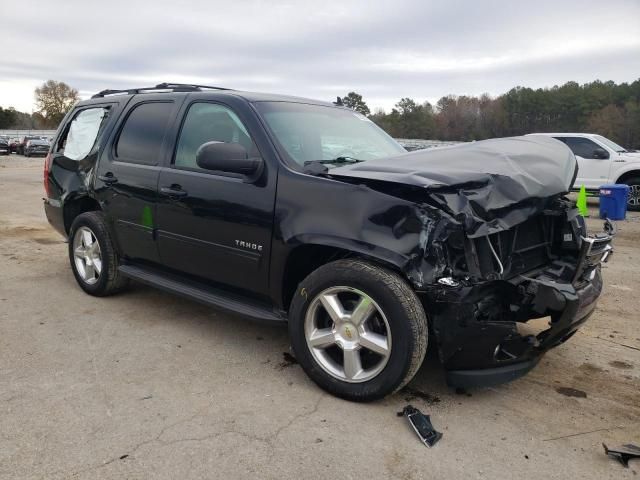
point(600, 153)
point(229, 158)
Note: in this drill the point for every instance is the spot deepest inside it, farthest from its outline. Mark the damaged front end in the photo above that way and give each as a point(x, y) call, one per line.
point(499, 246)
point(479, 316)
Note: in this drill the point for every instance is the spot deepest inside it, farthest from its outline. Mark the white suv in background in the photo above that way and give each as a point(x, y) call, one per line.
point(602, 161)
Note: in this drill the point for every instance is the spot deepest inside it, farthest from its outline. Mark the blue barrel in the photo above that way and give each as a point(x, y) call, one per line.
point(613, 201)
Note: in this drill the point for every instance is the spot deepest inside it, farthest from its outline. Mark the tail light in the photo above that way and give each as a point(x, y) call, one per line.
point(47, 166)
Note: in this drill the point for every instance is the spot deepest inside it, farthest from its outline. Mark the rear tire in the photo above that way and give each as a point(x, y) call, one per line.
point(93, 257)
point(633, 202)
point(358, 330)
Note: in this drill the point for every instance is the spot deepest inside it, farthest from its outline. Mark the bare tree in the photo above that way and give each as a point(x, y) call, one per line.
point(53, 100)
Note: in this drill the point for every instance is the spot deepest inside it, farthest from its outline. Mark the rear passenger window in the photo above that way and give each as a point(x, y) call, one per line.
point(208, 122)
point(143, 132)
point(79, 138)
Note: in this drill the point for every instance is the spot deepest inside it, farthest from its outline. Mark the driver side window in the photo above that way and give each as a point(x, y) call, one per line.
point(209, 122)
point(581, 146)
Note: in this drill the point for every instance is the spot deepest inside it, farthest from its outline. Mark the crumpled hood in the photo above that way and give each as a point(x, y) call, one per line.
point(486, 186)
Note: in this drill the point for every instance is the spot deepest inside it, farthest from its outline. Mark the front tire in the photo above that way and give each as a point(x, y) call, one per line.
point(358, 330)
point(93, 257)
point(633, 202)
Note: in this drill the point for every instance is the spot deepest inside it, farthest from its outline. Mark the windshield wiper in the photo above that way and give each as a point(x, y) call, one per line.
point(335, 161)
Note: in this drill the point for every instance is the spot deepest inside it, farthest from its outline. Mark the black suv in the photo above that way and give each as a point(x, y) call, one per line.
point(293, 210)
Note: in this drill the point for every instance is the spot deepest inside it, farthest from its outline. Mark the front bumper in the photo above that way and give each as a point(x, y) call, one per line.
point(501, 352)
point(481, 329)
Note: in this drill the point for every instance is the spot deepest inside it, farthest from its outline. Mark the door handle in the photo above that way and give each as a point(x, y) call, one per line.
point(174, 191)
point(108, 178)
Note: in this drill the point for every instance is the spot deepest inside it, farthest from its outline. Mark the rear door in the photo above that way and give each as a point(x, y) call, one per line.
point(211, 225)
point(592, 171)
point(127, 177)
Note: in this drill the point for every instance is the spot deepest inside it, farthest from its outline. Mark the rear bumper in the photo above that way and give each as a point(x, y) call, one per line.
point(55, 216)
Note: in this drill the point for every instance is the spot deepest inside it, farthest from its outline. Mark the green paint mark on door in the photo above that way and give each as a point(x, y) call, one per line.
point(147, 217)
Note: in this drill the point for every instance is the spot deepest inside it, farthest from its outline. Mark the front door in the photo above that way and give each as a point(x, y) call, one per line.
point(211, 225)
point(127, 176)
point(592, 171)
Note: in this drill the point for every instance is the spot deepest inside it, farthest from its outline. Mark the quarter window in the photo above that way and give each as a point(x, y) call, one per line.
point(580, 146)
point(209, 122)
point(143, 133)
point(81, 135)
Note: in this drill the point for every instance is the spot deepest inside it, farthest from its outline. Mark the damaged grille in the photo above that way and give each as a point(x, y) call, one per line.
point(528, 246)
point(593, 251)
point(506, 254)
point(523, 248)
point(546, 239)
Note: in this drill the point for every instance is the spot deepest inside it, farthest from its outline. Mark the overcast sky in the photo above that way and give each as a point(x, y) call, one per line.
point(384, 50)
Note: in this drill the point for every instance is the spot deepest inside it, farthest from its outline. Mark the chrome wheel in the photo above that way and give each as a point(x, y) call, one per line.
point(348, 334)
point(634, 195)
point(87, 255)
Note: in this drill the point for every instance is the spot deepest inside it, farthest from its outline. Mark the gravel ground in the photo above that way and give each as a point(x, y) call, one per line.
point(148, 385)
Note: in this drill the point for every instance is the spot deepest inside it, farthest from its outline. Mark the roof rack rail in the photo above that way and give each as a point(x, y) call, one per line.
point(174, 87)
point(190, 86)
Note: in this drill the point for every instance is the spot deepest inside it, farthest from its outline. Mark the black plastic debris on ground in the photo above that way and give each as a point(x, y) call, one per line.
point(421, 424)
point(571, 392)
point(624, 453)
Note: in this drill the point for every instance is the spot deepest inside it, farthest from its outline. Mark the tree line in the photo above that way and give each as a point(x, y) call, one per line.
point(607, 108)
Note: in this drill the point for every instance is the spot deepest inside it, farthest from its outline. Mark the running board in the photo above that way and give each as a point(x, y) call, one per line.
point(206, 295)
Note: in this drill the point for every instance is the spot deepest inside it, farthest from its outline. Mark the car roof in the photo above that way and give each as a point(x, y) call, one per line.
point(273, 97)
point(250, 97)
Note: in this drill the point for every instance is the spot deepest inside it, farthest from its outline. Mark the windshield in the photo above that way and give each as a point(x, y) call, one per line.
point(309, 133)
point(612, 145)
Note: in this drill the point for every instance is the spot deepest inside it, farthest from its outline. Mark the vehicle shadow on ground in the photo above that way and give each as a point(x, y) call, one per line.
point(269, 343)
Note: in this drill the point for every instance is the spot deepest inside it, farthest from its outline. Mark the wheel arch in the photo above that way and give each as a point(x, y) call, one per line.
point(307, 257)
point(628, 175)
point(75, 206)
